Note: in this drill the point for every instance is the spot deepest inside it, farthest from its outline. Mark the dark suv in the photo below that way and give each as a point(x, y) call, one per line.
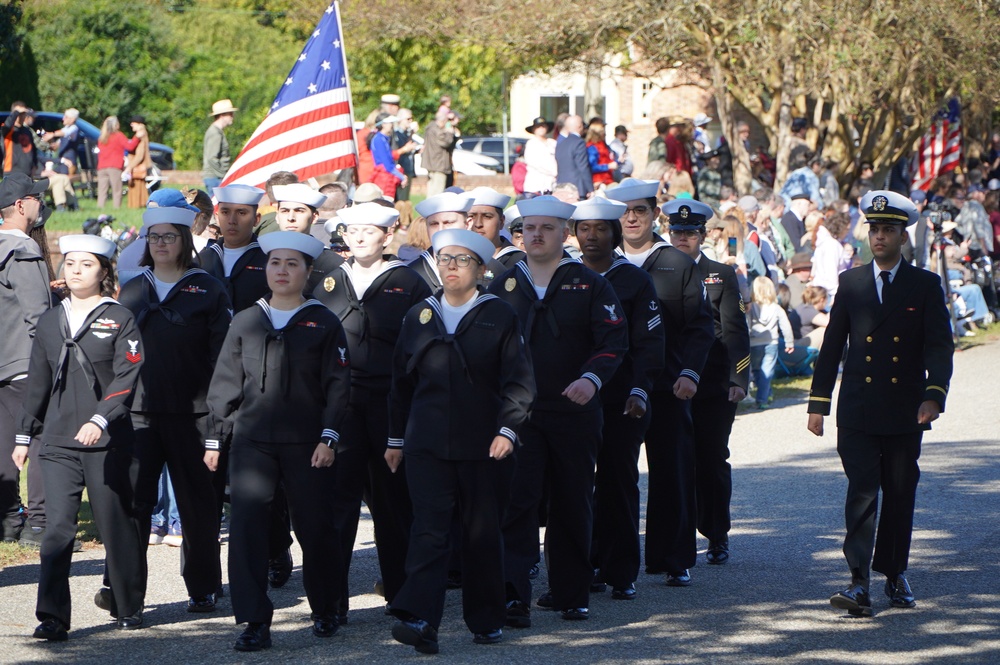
point(45, 121)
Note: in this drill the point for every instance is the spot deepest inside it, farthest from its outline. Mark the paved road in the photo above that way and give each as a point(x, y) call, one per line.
point(768, 604)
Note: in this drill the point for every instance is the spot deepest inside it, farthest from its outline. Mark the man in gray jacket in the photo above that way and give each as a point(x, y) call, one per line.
point(440, 138)
point(24, 296)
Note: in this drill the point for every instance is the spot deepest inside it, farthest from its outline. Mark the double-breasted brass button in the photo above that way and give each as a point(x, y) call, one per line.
point(895, 359)
point(869, 338)
point(895, 339)
point(868, 379)
point(868, 359)
point(895, 380)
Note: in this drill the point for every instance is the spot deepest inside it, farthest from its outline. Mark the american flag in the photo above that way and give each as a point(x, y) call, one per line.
point(309, 128)
point(940, 149)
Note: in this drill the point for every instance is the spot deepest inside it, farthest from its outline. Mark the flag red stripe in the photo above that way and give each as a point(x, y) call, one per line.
point(320, 168)
point(323, 113)
point(322, 140)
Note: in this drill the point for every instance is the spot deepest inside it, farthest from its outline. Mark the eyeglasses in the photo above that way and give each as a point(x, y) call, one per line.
point(35, 197)
point(684, 234)
point(167, 238)
point(638, 211)
point(463, 260)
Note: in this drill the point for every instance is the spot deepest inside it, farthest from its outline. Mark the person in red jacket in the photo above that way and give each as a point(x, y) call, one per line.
point(111, 148)
point(677, 152)
point(602, 161)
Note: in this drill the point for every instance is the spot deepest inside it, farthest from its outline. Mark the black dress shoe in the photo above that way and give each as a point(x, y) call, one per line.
point(454, 579)
point(623, 593)
point(52, 630)
point(492, 637)
point(854, 599)
point(257, 636)
point(105, 599)
point(325, 627)
point(899, 592)
point(679, 578)
point(342, 619)
point(198, 604)
point(598, 585)
point(418, 634)
point(533, 573)
point(518, 615)
point(133, 622)
point(576, 614)
point(718, 552)
point(279, 570)
point(545, 601)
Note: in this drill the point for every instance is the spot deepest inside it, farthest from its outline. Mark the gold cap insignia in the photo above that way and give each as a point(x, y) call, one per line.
point(510, 284)
point(684, 212)
point(425, 315)
point(879, 203)
point(329, 284)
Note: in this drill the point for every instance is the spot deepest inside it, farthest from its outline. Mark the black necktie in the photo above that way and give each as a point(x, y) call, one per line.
point(884, 275)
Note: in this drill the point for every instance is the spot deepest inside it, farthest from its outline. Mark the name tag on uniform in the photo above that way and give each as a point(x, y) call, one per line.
point(396, 291)
point(191, 288)
point(575, 287)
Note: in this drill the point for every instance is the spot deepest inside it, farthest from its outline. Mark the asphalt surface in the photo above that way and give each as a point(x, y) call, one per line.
point(768, 604)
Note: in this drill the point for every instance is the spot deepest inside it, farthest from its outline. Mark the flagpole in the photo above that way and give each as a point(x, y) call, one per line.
point(350, 97)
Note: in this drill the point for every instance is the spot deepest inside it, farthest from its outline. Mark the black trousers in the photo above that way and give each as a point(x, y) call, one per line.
point(108, 474)
point(361, 472)
point(871, 463)
point(563, 446)
point(11, 517)
point(671, 509)
point(176, 440)
point(713, 418)
point(615, 550)
point(255, 470)
point(480, 490)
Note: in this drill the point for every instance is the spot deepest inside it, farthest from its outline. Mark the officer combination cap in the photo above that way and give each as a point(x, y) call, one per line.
point(687, 214)
point(445, 202)
point(487, 196)
point(390, 99)
point(300, 242)
point(169, 198)
point(599, 208)
point(175, 216)
point(633, 189)
point(885, 207)
point(87, 243)
point(335, 226)
point(546, 206)
point(298, 193)
point(470, 240)
point(239, 194)
point(17, 185)
point(368, 213)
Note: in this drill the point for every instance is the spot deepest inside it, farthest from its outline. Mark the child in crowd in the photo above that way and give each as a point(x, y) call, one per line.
point(767, 320)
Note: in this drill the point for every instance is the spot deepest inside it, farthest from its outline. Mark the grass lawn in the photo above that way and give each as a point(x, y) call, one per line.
point(73, 220)
point(12, 554)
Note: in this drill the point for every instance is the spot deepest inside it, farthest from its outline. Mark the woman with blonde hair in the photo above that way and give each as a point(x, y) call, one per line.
point(111, 148)
point(138, 164)
point(767, 320)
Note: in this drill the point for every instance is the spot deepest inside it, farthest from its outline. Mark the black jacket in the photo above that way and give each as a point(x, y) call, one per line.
point(289, 385)
point(452, 394)
point(728, 363)
point(509, 255)
point(644, 361)
point(248, 280)
point(687, 315)
point(794, 227)
point(183, 336)
point(322, 267)
point(372, 323)
point(899, 351)
point(89, 376)
point(578, 330)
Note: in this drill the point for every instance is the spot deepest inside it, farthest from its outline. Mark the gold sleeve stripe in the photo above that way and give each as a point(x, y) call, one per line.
point(943, 390)
point(742, 364)
point(819, 399)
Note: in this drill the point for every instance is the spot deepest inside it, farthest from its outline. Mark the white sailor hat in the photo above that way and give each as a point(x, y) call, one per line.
point(687, 214)
point(487, 196)
point(470, 240)
point(633, 189)
point(599, 208)
point(444, 202)
point(175, 216)
point(301, 242)
point(512, 215)
point(368, 213)
point(87, 243)
point(885, 207)
point(239, 194)
point(546, 206)
point(298, 193)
